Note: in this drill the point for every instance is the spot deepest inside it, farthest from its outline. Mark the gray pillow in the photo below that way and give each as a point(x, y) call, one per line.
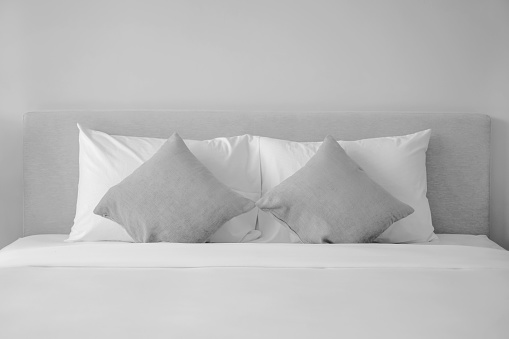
point(172, 197)
point(332, 200)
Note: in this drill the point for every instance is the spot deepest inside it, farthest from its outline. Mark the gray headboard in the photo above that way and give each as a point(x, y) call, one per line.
point(458, 157)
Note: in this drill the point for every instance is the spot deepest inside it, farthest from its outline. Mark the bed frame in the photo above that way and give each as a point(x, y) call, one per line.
point(458, 158)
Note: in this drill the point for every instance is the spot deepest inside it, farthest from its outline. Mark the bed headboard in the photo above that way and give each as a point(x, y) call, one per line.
point(458, 158)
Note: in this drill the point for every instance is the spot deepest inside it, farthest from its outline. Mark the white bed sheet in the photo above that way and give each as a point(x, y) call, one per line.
point(52, 289)
point(44, 240)
point(465, 240)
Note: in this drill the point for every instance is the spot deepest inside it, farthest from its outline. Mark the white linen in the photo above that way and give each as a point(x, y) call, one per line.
point(52, 240)
point(464, 240)
point(105, 160)
point(109, 289)
point(35, 252)
point(398, 164)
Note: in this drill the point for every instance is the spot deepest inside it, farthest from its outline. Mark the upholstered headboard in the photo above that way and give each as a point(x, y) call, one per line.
point(458, 157)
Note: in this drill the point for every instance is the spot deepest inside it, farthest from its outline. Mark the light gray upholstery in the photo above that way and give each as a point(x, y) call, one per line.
point(458, 157)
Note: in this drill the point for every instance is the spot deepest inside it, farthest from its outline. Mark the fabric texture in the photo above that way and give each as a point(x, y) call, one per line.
point(172, 197)
point(105, 160)
point(397, 163)
point(332, 200)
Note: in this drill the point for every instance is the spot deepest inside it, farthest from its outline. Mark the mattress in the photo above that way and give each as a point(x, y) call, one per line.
point(464, 240)
point(57, 240)
point(53, 289)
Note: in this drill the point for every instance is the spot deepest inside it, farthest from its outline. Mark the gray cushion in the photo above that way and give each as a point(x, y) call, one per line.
point(332, 200)
point(172, 197)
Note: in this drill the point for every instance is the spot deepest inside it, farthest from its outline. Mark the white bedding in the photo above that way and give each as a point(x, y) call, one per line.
point(465, 240)
point(52, 289)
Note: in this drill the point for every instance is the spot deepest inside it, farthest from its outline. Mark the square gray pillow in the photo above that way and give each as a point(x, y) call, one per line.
point(172, 197)
point(332, 200)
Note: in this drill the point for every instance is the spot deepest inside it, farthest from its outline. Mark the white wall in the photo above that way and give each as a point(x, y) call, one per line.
point(439, 55)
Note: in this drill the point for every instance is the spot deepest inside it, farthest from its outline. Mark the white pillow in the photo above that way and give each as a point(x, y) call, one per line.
point(398, 164)
point(105, 160)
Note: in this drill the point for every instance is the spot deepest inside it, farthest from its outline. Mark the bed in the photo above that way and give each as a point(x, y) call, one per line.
point(453, 286)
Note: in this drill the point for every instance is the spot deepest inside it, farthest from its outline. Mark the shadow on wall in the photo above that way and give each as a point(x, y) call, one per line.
point(11, 179)
point(499, 230)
